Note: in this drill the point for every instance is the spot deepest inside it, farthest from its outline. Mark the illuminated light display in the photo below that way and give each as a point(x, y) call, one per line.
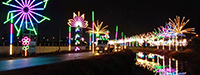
point(25, 13)
point(116, 33)
point(25, 47)
point(98, 29)
point(146, 64)
point(69, 41)
point(77, 49)
point(11, 34)
point(140, 54)
point(90, 41)
point(77, 30)
point(78, 22)
point(25, 42)
point(93, 32)
point(150, 55)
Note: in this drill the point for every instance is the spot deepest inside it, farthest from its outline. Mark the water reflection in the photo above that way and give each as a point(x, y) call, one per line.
point(158, 64)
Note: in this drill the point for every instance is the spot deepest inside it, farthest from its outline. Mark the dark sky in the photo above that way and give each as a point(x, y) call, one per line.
point(132, 16)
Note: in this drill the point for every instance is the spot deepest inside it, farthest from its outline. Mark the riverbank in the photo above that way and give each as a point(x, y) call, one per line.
point(121, 63)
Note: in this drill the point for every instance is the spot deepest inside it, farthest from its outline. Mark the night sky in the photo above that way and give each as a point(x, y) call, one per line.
point(132, 16)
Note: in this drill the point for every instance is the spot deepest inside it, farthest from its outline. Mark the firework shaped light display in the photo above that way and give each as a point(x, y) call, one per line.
point(98, 29)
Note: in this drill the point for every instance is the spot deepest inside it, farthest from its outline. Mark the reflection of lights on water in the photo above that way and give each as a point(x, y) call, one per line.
point(96, 54)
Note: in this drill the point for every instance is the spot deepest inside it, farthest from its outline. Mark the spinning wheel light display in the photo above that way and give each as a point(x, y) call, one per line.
point(78, 22)
point(25, 11)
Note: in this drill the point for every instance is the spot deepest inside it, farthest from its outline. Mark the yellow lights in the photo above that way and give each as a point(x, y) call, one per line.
point(25, 53)
point(178, 26)
point(96, 54)
point(146, 64)
point(105, 48)
point(11, 49)
point(90, 47)
point(69, 47)
point(97, 48)
point(124, 47)
point(197, 35)
point(77, 19)
point(98, 29)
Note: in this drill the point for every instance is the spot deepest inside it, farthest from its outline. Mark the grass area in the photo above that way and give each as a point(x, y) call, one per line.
point(120, 63)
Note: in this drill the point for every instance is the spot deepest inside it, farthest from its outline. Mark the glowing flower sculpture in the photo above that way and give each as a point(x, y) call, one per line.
point(26, 41)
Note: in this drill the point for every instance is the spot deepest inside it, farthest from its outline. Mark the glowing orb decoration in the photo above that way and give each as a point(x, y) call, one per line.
point(78, 21)
point(26, 41)
point(25, 11)
point(77, 49)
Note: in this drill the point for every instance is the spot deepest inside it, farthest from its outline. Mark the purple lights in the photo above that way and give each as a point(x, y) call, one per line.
point(25, 13)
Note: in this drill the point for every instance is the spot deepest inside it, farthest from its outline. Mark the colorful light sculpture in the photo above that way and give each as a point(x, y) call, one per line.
point(11, 35)
point(93, 32)
point(25, 42)
point(77, 49)
point(78, 22)
point(25, 13)
point(177, 28)
point(116, 33)
point(98, 29)
point(69, 40)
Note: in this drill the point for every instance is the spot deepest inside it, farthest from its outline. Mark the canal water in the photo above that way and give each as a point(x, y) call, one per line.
point(161, 65)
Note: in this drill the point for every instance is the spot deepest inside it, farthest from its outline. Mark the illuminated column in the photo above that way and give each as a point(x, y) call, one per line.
point(116, 33)
point(90, 40)
point(163, 62)
point(176, 67)
point(169, 41)
point(157, 59)
point(69, 41)
point(158, 43)
point(92, 31)
point(163, 43)
point(124, 41)
point(176, 45)
point(132, 43)
point(116, 36)
point(153, 41)
point(11, 35)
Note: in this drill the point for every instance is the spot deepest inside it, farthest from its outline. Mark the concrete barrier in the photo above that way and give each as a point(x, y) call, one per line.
point(39, 49)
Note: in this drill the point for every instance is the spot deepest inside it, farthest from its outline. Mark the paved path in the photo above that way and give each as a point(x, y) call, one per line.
point(12, 64)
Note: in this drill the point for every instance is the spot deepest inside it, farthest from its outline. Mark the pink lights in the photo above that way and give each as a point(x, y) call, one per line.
point(77, 49)
point(26, 41)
